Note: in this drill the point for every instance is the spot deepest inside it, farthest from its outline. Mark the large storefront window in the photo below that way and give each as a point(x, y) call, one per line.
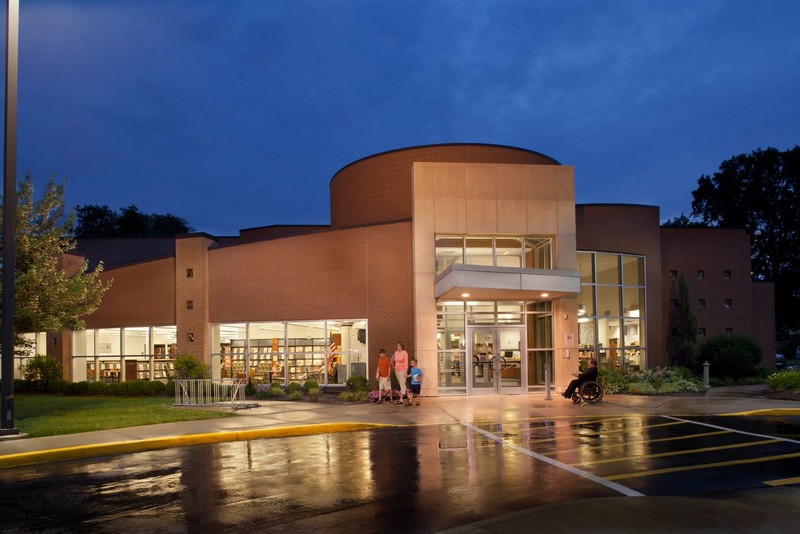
point(120, 354)
point(33, 344)
point(611, 312)
point(290, 351)
point(513, 252)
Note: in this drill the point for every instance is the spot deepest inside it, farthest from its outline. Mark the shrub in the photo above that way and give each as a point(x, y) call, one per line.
point(58, 385)
point(641, 388)
point(731, 356)
point(296, 395)
point(80, 388)
point(188, 366)
point(357, 383)
point(136, 388)
point(661, 380)
point(99, 388)
point(41, 370)
point(154, 388)
point(169, 388)
point(268, 391)
point(310, 384)
point(292, 387)
point(313, 393)
point(354, 395)
point(249, 389)
point(21, 386)
point(784, 381)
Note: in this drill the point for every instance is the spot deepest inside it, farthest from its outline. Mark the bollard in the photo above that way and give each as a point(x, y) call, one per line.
point(706, 365)
point(547, 381)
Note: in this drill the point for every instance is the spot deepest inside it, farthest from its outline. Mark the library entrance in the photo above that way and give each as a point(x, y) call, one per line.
point(496, 356)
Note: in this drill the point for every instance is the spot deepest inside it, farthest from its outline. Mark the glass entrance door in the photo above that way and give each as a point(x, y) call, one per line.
point(497, 364)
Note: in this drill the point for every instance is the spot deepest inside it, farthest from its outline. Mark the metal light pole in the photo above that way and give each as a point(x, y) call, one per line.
point(9, 219)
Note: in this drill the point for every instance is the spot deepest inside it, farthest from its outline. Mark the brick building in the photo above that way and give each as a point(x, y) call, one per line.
point(475, 255)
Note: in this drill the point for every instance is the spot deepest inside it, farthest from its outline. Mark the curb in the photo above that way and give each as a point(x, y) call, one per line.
point(768, 411)
point(141, 445)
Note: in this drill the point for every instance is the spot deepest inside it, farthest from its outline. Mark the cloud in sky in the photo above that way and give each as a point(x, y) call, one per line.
point(237, 114)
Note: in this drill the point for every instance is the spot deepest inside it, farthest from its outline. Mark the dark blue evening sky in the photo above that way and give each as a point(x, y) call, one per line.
point(236, 114)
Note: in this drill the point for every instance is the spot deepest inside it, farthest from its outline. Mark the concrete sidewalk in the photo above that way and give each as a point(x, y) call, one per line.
point(284, 418)
point(735, 512)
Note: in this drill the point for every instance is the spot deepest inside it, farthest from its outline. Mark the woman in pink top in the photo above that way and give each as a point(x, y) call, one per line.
point(400, 363)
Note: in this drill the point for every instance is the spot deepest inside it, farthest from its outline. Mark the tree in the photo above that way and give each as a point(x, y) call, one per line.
point(102, 221)
point(48, 298)
point(686, 327)
point(684, 222)
point(760, 193)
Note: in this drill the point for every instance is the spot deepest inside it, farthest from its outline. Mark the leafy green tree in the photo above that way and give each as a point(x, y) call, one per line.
point(760, 192)
point(733, 356)
point(42, 370)
point(48, 297)
point(102, 221)
point(189, 366)
point(684, 222)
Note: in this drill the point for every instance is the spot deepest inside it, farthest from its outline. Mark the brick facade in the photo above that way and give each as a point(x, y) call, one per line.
point(375, 261)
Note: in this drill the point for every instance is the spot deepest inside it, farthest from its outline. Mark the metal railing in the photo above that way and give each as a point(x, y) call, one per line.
point(213, 392)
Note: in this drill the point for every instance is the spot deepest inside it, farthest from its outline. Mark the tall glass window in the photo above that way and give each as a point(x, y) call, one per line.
point(294, 351)
point(513, 252)
point(611, 311)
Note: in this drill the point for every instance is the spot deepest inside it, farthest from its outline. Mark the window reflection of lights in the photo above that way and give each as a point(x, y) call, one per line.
point(581, 310)
point(583, 319)
point(632, 313)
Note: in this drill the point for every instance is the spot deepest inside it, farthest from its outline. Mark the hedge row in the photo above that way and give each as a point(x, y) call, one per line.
point(134, 388)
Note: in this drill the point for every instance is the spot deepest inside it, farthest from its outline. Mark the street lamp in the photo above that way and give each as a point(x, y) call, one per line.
point(9, 220)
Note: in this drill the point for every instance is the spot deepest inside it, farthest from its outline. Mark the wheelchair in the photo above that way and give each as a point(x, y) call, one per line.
point(590, 392)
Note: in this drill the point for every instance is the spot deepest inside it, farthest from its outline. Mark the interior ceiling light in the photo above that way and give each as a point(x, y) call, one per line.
point(465, 295)
point(544, 295)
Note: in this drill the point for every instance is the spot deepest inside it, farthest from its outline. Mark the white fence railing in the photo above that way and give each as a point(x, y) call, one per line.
point(214, 392)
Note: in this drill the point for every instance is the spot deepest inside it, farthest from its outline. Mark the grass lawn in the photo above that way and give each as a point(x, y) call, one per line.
point(51, 415)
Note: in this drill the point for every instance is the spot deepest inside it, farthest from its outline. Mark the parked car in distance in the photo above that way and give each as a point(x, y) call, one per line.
point(780, 361)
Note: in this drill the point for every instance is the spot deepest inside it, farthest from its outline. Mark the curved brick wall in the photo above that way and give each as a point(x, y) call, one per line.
point(377, 189)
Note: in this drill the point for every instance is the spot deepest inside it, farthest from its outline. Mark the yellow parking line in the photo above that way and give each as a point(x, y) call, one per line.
point(703, 466)
point(783, 481)
point(630, 442)
point(604, 432)
point(678, 453)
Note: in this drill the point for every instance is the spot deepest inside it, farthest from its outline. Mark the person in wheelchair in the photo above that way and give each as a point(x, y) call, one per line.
point(589, 375)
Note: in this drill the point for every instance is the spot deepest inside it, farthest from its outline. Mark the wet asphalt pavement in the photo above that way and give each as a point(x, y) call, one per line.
point(472, 465)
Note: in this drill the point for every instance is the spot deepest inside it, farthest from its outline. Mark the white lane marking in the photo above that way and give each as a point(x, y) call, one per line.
point(787, 440)
point(575, 471)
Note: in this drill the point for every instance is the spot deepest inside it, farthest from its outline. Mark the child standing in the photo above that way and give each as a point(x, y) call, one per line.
point(383, 376)
point(416, 379)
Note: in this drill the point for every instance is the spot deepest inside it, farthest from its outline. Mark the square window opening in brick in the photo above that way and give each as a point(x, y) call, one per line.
point(673, 274)
point(701, 332)
point(726, 275)
point(701, 303)
point(189, 304)
point(728, 303)
point(729, 331)
point(189, 273)
point(701, 275)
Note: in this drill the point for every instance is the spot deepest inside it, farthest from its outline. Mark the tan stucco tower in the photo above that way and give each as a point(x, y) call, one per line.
point(491, 200)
